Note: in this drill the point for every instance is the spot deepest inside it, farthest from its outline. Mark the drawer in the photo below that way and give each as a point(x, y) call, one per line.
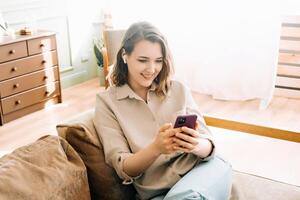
point(27, 65)
point(40, 45)
point(24, 99)
point(29, 109)
point(13, 51)
point(29, 81)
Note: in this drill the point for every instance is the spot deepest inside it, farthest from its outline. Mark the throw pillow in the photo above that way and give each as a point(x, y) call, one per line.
point(46, 169)
point(103, 181)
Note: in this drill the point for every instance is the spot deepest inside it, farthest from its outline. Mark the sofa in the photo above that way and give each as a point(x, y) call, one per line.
point(72, 166)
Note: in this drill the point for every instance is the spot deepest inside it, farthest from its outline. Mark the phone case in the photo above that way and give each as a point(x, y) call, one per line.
point(186, 120)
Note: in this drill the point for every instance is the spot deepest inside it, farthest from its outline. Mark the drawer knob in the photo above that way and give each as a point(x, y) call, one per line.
point(42, 45)
point(14, 69)
point(16, 85)
point(45, 77)
point(46, 93)
point(44, 61)
point(12, 51)
point(18, 102)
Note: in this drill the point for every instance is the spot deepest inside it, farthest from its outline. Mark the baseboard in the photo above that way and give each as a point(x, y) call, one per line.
point(253, 129)
point(68, 80)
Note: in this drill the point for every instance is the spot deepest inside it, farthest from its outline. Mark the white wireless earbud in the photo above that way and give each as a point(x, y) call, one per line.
point(124, 56)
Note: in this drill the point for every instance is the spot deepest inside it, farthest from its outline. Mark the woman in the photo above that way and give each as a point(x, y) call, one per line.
point(134, 120)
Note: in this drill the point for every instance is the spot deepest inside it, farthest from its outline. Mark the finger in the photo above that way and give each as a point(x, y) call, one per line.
point(169, 133)
point(172, 132)
point(179, 148)
point(190, 131)
point(165, 127)
point(197, 125)
point(175, 146)
point(178, 129)
point(187, 138)
point(184, 144)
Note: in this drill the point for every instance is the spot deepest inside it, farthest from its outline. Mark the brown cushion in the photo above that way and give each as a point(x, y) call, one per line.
point(104, 182)
point(46, 169)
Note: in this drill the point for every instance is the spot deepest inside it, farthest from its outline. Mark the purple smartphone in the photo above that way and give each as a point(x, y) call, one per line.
point(186, 120)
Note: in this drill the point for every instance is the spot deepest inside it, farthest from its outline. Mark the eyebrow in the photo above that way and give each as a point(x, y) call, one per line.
point(144, 57)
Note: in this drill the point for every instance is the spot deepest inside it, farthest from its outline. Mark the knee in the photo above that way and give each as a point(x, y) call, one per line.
point(219, 179)
point(224, 165)
point(221, 172)
point(220, 187)
point(225, 176)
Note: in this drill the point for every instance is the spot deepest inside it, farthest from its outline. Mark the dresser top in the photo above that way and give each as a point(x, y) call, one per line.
point(17, 37)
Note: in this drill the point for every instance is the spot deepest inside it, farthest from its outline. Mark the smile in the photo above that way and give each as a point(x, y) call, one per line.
point(147, 76)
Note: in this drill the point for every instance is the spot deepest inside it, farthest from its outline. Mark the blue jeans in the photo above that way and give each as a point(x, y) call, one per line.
point(209, 180)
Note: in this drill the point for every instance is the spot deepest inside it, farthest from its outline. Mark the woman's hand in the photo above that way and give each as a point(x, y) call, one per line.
point(164, 142)
point(138, 162)
point(190, 140)
point(187, 139)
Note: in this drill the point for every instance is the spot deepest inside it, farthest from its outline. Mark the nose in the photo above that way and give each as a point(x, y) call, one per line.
point(151, 67)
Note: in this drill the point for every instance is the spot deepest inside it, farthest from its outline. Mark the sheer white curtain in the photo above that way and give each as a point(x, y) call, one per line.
point(227, 49)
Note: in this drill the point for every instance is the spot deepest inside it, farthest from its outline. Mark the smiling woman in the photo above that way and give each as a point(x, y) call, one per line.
point(144, 64)
point(142, 59)
point(134, 120)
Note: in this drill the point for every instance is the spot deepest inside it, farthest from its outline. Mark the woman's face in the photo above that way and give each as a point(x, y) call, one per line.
point(144, 64)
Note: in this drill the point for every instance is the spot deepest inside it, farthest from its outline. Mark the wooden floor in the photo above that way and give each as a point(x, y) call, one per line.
point(76, 99)
point(282, 113)
point(279, 120)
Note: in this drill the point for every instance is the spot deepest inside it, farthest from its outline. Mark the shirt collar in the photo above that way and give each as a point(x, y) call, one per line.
point(125, 91)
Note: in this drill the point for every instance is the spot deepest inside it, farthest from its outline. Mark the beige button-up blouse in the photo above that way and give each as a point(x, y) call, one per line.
point(126, 123)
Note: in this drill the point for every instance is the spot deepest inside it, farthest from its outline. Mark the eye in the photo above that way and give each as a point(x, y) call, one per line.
point(142, 61)
point(159, 61)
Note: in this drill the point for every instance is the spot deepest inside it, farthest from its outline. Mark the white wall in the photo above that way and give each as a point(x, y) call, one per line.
point(35, 13)
point(76, 23)
point(85, 23)
point(217, 45)
point(290, 7)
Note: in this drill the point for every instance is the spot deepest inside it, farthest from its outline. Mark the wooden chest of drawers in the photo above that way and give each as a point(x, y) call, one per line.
point(29, 74)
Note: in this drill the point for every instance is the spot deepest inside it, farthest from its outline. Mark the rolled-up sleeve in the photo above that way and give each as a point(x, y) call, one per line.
point(192, 108)
point(115, 145)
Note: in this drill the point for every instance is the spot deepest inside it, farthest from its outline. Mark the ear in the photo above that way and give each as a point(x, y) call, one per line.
point(124, 56)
